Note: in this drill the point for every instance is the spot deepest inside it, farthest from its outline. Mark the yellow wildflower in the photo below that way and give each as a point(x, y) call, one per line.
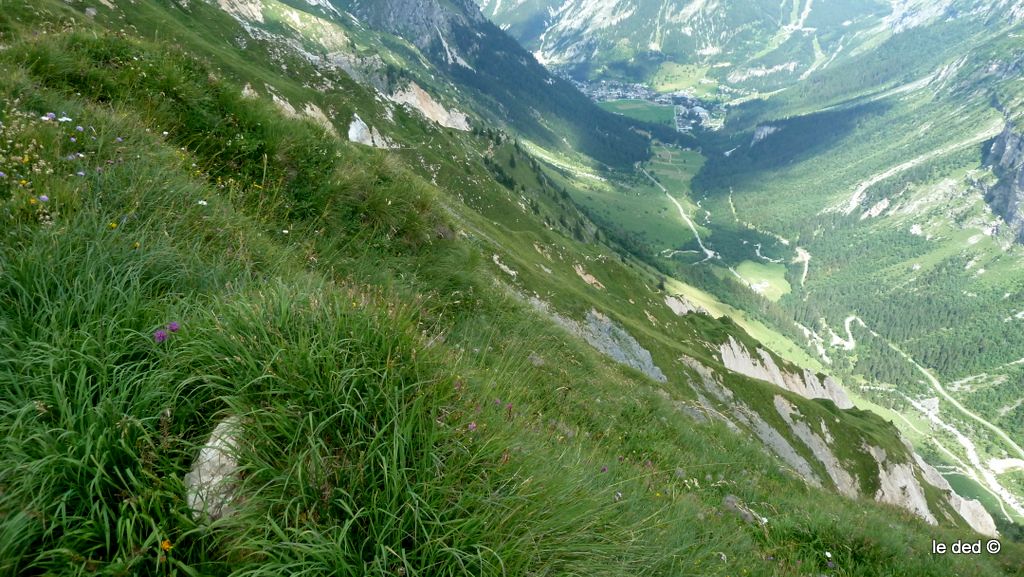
point(112, 225)
point(166, 545)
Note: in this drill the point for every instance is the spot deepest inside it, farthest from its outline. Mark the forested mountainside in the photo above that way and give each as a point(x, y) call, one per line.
point(284, 292)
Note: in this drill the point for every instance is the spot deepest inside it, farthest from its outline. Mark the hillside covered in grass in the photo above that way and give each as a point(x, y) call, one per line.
point(393, 334)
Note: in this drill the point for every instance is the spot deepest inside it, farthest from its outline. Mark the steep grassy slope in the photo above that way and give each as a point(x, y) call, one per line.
point(176, 252)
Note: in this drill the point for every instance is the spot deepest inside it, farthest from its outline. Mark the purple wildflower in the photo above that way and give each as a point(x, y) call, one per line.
point(3, 174)
point(118, 139)
point(604, 469)
point(160, 336)
point(472, 426)
point(173, 326)
point(43, 198)
point(497, 402)
point(73, 139)
point(49, 116)
point(79, 129)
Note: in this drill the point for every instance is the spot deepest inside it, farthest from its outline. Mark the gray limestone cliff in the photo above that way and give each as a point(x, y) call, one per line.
point(806, 445)
point(806, 383)
point(421, 22)
point(1006, 157)
point(608, 337)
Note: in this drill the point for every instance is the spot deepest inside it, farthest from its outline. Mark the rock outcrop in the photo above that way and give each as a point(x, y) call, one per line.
point(820, 445)
point(421, 22)
point(415, 97)
point(360, 132)
point(1006, 157)
point(612, 340)
point(898, 485)
point(737, 358)
point(740, 412)
point(681, 306)
point(213, 479)
point(971, 510)
point(901, 479)
point(607, 337)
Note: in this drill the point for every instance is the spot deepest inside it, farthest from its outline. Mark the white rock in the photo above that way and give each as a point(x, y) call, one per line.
point(681, 306)
point(898, 486)
point(505, 268)
point(846, 483)
point(415, 97)
point(360, 132)
point(213, 479)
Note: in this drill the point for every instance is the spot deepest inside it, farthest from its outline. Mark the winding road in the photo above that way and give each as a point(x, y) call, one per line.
point(942, 391)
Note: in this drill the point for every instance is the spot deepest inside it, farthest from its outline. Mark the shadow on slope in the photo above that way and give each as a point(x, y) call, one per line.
point(735, 161)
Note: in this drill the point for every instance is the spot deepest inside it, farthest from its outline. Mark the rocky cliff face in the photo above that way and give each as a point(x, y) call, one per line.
point(606, 336)
point(807, 445)
point(970, 509)
point(421, 22)
point(1006, 157)
point(762, 366)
